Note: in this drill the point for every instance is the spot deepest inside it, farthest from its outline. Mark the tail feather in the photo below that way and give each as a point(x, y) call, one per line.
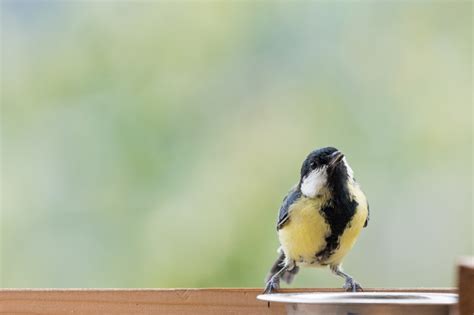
point(289, 275)
point(286, 276)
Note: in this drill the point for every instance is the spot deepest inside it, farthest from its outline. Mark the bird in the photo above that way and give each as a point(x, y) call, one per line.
point(319, 219)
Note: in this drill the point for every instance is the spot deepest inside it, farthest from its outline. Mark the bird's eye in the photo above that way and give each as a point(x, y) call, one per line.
point(312, 165)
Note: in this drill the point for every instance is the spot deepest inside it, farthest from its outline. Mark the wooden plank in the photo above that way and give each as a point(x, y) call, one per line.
point(466, 286)
point(150, 301)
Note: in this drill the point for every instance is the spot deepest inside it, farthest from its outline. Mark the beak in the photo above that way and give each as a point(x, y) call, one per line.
point(336, 157)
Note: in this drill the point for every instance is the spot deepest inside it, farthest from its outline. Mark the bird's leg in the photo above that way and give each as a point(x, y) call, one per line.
point(274, 282)
point(351, 285)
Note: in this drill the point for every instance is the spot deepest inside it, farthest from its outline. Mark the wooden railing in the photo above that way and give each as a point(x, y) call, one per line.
point(184, 301)
point(151, 301)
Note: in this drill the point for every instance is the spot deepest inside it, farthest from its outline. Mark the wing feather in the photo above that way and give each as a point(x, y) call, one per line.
point(283, 216)
point(368, 216)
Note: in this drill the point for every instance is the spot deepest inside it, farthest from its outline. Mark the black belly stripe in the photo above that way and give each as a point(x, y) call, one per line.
point(338, 212)
point(337, 218)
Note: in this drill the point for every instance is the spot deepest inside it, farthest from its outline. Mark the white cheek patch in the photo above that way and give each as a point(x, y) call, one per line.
point(350, 172)
point(313, 183)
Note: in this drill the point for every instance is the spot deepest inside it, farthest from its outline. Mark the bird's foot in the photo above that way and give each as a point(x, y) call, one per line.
point(352, 286)
point(272, 285)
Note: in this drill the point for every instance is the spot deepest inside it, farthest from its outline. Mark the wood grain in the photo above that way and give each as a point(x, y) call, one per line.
point(150, 301)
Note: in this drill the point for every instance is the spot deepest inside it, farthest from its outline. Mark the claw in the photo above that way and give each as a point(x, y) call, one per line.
point(272, 285)
point(352, 286)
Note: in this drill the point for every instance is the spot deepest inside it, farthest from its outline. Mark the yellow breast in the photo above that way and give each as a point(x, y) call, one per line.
point(304, 235)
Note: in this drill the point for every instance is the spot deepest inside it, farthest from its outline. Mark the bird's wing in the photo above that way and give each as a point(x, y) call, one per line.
point(293, 195)
point(368, 215)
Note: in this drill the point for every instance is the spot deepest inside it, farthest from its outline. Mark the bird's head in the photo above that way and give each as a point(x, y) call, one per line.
point(323, 168)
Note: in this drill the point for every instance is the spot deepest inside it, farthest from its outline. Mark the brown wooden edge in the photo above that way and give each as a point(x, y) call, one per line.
point(152, 301)
point(466, 285)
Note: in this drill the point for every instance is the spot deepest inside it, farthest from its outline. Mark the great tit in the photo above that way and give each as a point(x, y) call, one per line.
point(320, 219)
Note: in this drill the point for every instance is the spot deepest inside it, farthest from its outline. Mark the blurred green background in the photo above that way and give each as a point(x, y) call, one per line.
point(150, 144)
